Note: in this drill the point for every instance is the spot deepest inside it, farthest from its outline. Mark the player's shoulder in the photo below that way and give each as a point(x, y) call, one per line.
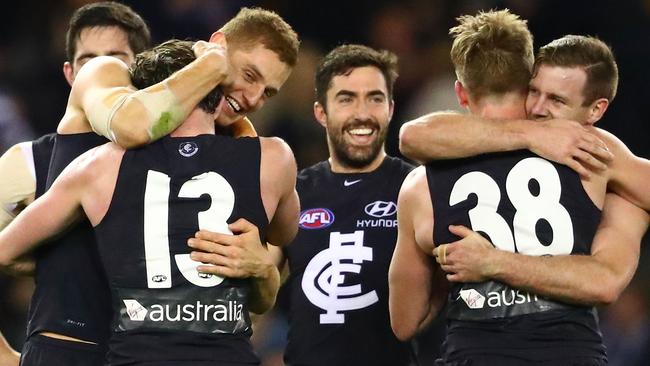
point(93, 163)
point(276, 148)
point(100, 65)
point(100, 72)
point(611, 141)
point(414, 184)
point(277, 158)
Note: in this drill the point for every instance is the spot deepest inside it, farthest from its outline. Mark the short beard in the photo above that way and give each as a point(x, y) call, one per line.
point(356, 158)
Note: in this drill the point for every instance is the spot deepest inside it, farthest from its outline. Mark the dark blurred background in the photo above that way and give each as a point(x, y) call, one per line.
point(33, 94)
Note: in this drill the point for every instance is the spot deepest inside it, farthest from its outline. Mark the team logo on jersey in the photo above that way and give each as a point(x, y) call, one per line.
point(316, 218)
point(381, 208)
point(188, 148)
point(324, 279)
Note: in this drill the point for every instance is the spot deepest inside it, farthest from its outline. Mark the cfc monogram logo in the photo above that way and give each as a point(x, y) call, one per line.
point(324, 276)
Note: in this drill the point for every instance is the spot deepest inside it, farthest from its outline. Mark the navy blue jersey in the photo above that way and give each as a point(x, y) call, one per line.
point(71, 295)
point(41, 153)
point(523, 204)
point(166, 312)
point(338, 282)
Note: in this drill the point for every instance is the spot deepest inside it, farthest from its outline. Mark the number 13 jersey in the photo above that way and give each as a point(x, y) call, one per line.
point(164, 309)
point(523, 204)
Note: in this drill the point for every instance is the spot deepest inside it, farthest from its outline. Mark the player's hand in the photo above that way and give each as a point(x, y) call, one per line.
point(241, 255)
point(23, 266)
point(570, 143)
point(467, 259)
point(218, 51)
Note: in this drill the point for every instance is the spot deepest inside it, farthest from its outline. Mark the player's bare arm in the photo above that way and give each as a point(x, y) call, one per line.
point(17, 190)
point(103, 99)
point(17, 182)
point(415, 294)
point(448, 135)
point(278, 184)
point(629, 174)
point(8, 356)
point(594, 279)
point(53, 212)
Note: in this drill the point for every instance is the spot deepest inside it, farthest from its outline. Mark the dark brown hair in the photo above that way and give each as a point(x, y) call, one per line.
point(346, 57)
point(106, 14)
point(591, 55)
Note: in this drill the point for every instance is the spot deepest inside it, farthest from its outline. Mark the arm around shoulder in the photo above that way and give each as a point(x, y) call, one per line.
point(449, 135)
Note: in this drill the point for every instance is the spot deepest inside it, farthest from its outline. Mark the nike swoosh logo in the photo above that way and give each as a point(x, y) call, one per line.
point(347, 184)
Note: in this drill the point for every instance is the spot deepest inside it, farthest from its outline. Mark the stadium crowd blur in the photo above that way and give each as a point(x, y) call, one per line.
point(33, 93)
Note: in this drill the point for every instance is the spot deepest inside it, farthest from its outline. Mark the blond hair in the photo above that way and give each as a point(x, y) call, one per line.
point(252, 26)
point(492, 53)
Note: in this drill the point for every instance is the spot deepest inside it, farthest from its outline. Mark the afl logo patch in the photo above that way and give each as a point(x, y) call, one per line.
point(188, 149)
point(159, 278)
point(316, 218)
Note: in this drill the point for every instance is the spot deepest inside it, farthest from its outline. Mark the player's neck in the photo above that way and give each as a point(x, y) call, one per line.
point(507, 106)
point(197, 123)
point(339, 167)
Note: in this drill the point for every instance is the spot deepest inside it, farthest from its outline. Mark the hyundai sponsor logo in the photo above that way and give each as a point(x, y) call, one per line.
point(381, 208)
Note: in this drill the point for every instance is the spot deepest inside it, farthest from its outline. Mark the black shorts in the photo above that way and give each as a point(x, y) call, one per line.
point(41, 350)
point(492, 360)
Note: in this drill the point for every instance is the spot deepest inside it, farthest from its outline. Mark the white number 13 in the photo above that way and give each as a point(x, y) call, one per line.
point(156, 211)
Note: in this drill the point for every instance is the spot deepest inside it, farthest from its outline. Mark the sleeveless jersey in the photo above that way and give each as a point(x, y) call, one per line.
point(531, 206)
point(165, 312)
point(41, 153)
point(338, 282)
point(71, 295)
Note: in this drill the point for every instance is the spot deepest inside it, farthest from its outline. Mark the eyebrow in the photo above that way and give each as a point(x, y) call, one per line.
point(269, 89)
point(559, 97)
point(93, 55)
point(371, 93)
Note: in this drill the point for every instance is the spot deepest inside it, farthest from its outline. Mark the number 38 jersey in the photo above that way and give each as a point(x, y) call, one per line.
point(523, 204)
point(164, 309)
point(338, 282)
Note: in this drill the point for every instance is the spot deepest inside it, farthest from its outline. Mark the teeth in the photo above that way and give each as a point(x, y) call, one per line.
point(233, 104)
point(360, 131)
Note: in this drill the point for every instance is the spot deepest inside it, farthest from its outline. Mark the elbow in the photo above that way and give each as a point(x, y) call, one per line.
point(406, 136)
point(402, 330)
point(607, 294)
point(604, 292)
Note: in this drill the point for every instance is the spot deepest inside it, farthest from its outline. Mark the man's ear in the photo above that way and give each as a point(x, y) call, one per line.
point(219, 38)
point(320, 114)
point(597, 110)
point(68, 73)
point(461, 94)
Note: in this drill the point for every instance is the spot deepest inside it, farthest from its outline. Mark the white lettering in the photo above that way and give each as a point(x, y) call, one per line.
point(232, 311)
point(376, 223)
point(509, 298)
